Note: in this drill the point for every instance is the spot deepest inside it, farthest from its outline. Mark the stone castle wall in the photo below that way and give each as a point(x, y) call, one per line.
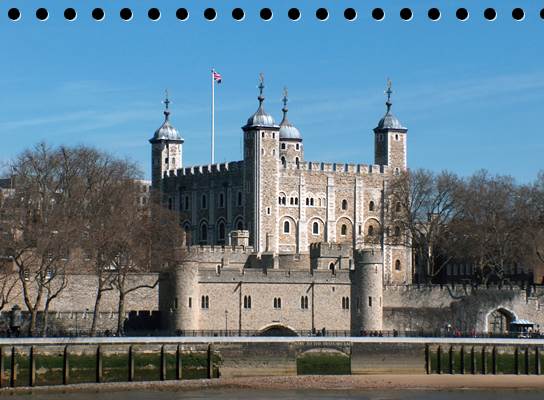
point(430, 308)
point(80, 295)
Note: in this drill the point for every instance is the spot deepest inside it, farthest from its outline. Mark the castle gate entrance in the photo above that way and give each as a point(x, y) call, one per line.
point(498, 321)
point(277, 330)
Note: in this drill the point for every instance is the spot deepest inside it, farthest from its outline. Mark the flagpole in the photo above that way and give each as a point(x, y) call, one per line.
point(213, 117)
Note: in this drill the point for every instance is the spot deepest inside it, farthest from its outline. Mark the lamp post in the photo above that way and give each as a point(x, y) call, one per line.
point(226, 321)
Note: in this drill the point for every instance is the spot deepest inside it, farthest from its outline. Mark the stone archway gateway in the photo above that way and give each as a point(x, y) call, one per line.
point(277, 330)
point(498, 320)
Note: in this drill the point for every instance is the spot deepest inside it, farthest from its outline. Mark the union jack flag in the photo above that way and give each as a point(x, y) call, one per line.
point(216, 76)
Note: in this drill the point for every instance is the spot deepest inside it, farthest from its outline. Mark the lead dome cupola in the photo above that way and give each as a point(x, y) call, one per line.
point(287, 130)
point(389, 121)
point(261, 117)
point(166, 131)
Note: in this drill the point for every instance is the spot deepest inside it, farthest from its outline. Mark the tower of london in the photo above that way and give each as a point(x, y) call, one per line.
point(276, 242)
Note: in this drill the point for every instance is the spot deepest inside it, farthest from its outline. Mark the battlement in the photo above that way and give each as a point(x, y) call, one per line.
point(211, 249)
point(458, 290)
point(324, 249)
point(368, 256)
point(352, 169)
point(209, 169)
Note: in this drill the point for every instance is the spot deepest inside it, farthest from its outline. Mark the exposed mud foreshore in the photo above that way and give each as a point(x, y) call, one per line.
point(315, 382)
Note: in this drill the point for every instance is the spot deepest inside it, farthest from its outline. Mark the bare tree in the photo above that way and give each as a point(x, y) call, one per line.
point(152, 240)
point(491, 221)
point(421, 207)
point(41, 230)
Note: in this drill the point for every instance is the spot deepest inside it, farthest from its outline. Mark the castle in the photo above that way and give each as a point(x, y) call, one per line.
point(275, 242)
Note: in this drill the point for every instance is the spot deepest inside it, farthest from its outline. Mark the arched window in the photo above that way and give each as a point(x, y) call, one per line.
point(222, 231)
point(247, 302)
point(204, 201)
point(371, 206)
point(315, 228)
point(397, 231)
point(296, 201)
point(277, 302)
point(221, 200)
point(286, 227)
point(297, 162)
point(283, 146)
point(292, 201)
point(397, 206)
point(283, 161)
point(304, 302)
point(331, 266)
point(344, 204)
point(297, 146)
point(307, 201)
point(203, 232)
point(205, 302)
point(312, 201)
point(370, 230)
point(239, 199)
point(397, 265)
point(240, 225)
point(344, 230)
point(345, 303)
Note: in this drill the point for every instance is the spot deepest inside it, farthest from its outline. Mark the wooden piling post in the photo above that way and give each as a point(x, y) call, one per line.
point(527, 372)
point(484, 360)
point(450, 360)
point(130, 364)
point(1, 367)
point(98, 364)
point(65, 367)
point(462, 360)
point(210, 362)
point(472, 361)
point(179, 366)
point(13, 371)
point(31, 367)
point(494, 360)
point(516, 360)
point(537, 361)
point(163, 364)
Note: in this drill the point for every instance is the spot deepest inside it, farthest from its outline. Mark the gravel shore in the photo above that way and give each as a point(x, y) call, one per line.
point(358, 382)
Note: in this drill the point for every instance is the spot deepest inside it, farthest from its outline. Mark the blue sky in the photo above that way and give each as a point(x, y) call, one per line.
point(470, 93)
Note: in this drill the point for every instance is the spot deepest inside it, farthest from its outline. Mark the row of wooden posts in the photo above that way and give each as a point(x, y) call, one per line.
point(98, 368)
point(471, 355)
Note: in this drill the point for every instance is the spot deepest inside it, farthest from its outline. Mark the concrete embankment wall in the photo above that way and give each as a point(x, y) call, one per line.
point(261, 356)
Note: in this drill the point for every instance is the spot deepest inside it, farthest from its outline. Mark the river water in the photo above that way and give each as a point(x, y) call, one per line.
point(237, 394)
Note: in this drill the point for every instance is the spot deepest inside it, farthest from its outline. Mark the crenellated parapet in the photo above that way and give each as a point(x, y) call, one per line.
point(350, 169)
point(208, 169)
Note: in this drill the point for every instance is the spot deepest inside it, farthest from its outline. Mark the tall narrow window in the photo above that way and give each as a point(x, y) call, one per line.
point(204, 201)
point(190, 302)
point(397, 231)
point(315, 228)
point(304, 302)
point(397, 265)
point(286, 227)
point(331, 266)
point(222, 231)
point(369, 301)
point(204, 233)
point(283, 162)
point(205, 302)
point(370, 230)
point(169, 203)
point(344, 230)
point(186, 205)
point(247, 302)
point(221, 200)
point(240, 226)
point(277, 302)
point(297, 162)
point(371, 206)
point(344, 204)
point(239, 199)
